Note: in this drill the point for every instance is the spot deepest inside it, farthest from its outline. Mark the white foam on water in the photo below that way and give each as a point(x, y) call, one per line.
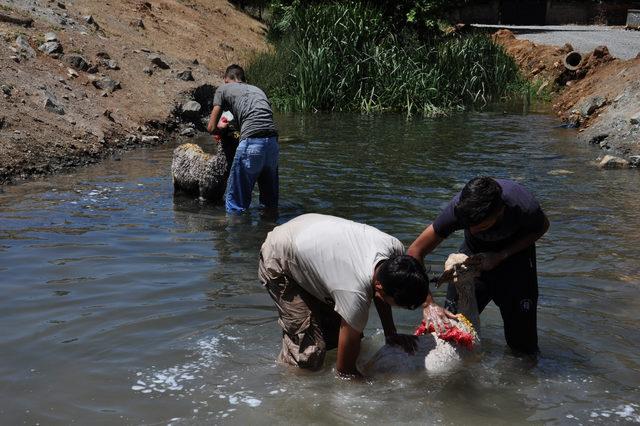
point(176, 378)
point(628, 412)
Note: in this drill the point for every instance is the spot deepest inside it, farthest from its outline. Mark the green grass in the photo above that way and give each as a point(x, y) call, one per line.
point(348, 57)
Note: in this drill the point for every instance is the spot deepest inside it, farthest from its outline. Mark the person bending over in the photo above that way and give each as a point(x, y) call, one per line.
point(502, 221)
point(322, 272)
point(256, 157)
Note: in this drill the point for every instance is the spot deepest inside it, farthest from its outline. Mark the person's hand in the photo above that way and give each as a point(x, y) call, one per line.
point(407, 342)
point(489, 260)
point(438, 317)
point(217, 138)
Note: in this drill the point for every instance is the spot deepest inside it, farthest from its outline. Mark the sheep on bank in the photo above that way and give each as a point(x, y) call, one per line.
point(438, 352)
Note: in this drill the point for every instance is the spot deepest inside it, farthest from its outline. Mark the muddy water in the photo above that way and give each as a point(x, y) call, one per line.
point(121, 305)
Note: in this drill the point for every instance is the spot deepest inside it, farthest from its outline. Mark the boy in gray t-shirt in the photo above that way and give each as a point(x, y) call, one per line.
point(256, 158)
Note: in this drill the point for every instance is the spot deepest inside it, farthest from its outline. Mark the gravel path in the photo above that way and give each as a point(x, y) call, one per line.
point(623, 44)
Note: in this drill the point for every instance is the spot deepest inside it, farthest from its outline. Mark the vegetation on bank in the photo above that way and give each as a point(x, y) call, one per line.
point(354, 56)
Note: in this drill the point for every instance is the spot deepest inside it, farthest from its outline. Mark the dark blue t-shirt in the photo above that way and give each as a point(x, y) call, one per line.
point(522, 215)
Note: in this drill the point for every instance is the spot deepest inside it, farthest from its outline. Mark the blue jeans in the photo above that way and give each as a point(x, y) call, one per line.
point(256, 160)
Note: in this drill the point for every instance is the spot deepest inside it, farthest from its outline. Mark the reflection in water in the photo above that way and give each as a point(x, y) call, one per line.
point(123, 304)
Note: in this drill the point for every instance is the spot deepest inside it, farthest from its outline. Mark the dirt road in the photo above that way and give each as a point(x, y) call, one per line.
point(623, 44)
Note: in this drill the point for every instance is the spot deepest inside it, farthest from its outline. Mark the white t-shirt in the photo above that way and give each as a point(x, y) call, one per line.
point(331, 258)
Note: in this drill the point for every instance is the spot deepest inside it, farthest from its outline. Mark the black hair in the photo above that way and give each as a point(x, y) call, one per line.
point(405, 280)
point(480, 198)
point(235, 72)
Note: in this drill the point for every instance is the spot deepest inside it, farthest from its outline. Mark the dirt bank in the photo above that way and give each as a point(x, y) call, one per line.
point(600, 98)
point(87, 78)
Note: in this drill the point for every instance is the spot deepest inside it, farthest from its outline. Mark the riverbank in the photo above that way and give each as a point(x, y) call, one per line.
point(600, 98)
point(80, 82)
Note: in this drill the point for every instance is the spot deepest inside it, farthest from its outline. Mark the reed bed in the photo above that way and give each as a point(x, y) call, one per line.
point(348, 57)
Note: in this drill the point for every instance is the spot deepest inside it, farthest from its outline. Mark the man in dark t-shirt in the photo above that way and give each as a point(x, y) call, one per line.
point(256, 158)
point(502, 221)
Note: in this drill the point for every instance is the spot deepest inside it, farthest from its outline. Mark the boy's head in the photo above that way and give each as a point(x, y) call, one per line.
point(234, 73)
point(480, 205)
point(404, 280)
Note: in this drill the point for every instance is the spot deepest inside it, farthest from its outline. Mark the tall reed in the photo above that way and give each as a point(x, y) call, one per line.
point(346, 56)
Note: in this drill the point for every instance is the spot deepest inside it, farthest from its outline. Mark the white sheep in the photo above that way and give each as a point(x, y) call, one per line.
point(200, 174)
point(434, 354)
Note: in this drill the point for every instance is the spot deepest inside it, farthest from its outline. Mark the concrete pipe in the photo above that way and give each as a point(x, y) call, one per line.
point(572, 60)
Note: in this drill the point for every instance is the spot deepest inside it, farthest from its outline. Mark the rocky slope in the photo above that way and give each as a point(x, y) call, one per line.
point(600, 98)
point(82, 79)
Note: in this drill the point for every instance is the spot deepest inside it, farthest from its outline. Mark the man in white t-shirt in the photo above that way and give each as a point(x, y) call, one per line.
point(322, 273)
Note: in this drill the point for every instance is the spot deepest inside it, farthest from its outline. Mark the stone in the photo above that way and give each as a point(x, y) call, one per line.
point(106, 84)
point(635, 119)
point(148, 70)
point(601, 51)
point(52, 105)
point(191, 109)
point(72, 73)
point(24, 47)
point(188, 132)
point(50, 37)
point(613, 162)
point(78, 62)
point(6, 89)
point(149, 139)
point(89, 19)
point(589, 106)
point(51, 48)
point(186, 75)
point(103, 55)
point(107, 113)
point(110, 64)
point(634, 161)
point(157, 61)
point(195, 62)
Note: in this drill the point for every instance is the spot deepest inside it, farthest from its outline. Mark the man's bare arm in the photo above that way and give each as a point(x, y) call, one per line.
point(348, 350)
point(213, 119)
point(426, 242)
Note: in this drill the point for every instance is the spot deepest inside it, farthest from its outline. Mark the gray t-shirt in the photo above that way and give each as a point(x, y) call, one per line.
point(250, 107)
point(331, 258)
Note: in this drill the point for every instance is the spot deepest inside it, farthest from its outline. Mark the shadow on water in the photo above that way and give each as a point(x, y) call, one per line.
point(124, 304)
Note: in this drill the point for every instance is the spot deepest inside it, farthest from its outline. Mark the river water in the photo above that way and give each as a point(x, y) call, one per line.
point(123, 305)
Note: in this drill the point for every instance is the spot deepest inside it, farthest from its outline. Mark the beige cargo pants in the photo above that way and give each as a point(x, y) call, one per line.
point(310, 327)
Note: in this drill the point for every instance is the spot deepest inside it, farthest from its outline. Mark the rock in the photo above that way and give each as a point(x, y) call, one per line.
point(72, 73)
point(50, 37)
point(186, 75)
point(103, 55)
point(52, 105)
point(589, 106)
point(149, 139)
point(107, 113)
point(106, 84)
point(157, 61)
point(110, 64)
point(6, 89)
point(137, 23)
point(77, 62)
point(191, 110)
point(635, 119)
point(62, 5)
point(148, 70)
point(195, 62)
point(634, 161)
point(188, 132)
point(51, 48)
point(612, 162)
point(24, 47)
point(89, 19)
point(601, 51)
